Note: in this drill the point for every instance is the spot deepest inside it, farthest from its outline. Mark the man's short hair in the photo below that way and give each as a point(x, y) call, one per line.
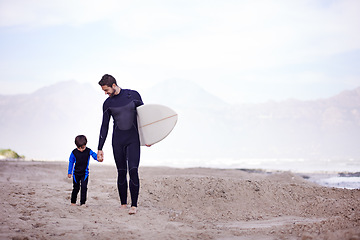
point(107, 80)
point(80, 141)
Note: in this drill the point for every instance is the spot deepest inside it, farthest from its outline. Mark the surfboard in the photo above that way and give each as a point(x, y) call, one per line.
point(155, 122)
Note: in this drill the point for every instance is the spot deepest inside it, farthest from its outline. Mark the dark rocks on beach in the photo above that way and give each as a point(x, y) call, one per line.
point(349, 174)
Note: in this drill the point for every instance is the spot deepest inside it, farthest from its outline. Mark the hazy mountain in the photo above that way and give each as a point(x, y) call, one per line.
point(182, 94)
point(326, 128)
point(44, 124)
point(210, 128)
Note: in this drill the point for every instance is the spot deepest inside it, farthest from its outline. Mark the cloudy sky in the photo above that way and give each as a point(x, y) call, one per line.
point(239, 50)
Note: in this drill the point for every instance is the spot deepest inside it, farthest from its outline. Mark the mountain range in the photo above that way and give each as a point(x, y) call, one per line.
point(43, 124)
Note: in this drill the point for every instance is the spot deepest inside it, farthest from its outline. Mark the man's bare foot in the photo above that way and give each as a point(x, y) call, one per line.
point(83, 205)
point(73, 204)
point(132, 210)
point(123, 206)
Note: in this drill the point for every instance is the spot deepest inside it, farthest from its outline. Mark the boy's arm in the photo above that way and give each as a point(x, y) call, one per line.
point(94, 155)
point(72, 160)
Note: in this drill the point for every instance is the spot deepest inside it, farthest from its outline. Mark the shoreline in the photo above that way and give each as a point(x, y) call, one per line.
point(337, 179)
point(247, 169)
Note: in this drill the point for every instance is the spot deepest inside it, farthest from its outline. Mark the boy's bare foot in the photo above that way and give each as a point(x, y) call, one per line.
point(73, 204)
point(123, 206)
point(83, 205)
point(132, 210)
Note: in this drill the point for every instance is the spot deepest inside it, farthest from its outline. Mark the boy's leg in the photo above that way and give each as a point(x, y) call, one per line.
point(76, 188)
point(84, 182)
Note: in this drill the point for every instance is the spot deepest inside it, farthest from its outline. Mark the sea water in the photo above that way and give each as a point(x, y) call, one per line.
point(326, 172)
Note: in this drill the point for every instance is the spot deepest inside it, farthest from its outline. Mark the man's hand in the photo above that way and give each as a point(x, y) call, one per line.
point(100, 155)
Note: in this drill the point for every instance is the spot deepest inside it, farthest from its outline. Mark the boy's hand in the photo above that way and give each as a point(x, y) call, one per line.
point(100, 155)
point(69, 175)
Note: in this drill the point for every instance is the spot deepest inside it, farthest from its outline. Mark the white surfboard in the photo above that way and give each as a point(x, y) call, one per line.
point(155, 122)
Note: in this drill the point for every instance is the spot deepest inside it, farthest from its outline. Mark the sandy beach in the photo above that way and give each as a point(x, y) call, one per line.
point(195, 203)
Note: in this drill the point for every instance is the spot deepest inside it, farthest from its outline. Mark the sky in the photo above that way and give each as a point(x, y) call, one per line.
point(239, 50)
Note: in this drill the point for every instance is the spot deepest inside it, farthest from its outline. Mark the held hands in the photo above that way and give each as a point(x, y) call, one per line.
point(100, 155)
point(69, 175)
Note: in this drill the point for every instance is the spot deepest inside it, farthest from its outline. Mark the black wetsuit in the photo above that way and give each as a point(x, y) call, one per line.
point(80, 172)
point(125, 140)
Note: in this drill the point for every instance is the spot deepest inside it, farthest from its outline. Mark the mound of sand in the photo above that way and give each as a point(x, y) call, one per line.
point(174, 204)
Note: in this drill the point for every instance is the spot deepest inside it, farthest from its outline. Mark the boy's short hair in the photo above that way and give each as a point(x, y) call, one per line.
point(80, 141)
point(107, 80)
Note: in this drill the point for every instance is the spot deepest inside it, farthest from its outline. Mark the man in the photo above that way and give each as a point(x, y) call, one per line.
point(121, 105)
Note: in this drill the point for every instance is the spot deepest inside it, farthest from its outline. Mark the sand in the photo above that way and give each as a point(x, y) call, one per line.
point(193, 203)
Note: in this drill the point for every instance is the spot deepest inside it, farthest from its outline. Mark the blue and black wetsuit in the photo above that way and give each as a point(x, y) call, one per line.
point(125, 140)
point(80, 172)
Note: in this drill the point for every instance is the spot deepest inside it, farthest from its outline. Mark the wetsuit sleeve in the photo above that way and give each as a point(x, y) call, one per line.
point(93, 154)
point(72, 160)
point(138, 101)
point(104, 126)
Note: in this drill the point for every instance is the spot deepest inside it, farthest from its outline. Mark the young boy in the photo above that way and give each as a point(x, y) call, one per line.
point(80, 156)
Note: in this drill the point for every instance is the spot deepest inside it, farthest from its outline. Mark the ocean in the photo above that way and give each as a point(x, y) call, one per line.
point(338, 173)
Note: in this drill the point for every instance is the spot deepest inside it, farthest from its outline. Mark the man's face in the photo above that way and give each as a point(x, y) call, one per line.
point(109, 90)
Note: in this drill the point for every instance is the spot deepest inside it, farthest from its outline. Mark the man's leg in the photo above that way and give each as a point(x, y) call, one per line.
point(133, 153)
point(121, 165)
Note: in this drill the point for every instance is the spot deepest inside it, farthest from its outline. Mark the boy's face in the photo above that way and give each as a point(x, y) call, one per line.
point(82, 148)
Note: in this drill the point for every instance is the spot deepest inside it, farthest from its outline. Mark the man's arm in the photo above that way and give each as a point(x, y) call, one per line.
point(138, 101)
point(104, 127)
